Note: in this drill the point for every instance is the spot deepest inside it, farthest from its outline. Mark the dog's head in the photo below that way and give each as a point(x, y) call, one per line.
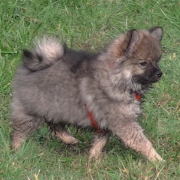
point(137, 54)
point(147, 55)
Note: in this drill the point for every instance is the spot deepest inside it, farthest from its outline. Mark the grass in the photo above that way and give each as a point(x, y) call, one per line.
point(84, 24)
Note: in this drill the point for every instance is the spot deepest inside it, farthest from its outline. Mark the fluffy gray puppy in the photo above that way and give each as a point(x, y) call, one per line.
point(60, 86)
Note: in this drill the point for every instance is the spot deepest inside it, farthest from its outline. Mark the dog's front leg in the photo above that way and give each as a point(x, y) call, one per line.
point(98, 145)
point(133, 137)
point(59, 131)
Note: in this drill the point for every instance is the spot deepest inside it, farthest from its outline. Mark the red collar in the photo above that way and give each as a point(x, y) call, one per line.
point(93, 121)
point(138, 96)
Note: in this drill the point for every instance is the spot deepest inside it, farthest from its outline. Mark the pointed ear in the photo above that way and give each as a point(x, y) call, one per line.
point(157, 32)
point(133, 37)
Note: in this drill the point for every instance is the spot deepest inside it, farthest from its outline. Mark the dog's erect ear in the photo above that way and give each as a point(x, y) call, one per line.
point(157, 32)
point(124, 45)
point(132, 37)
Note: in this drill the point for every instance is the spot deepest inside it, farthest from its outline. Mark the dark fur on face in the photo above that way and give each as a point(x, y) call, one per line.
point(61, 86)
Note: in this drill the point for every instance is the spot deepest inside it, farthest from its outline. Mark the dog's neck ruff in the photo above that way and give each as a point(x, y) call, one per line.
point(93, 121)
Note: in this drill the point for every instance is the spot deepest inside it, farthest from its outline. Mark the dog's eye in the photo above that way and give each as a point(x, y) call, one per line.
point(143, 64)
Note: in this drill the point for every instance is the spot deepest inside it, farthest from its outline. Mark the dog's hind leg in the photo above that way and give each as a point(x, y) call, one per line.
point(59, 131)
point(98, 145)
point(23, 125)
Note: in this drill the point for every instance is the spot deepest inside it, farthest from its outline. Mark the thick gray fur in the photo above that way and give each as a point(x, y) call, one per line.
point(56, 85)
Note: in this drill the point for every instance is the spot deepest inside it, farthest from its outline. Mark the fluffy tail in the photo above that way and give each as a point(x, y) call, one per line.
point(45, 52)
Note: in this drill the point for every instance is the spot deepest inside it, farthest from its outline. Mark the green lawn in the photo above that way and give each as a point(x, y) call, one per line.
point(89, 25)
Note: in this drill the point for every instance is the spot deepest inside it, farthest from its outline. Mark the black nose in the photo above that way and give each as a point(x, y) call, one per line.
point(159, 74)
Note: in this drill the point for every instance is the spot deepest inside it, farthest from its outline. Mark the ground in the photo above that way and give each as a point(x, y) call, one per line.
point(89, 25)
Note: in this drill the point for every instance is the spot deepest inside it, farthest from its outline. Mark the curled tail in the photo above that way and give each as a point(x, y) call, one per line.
point(45, 52)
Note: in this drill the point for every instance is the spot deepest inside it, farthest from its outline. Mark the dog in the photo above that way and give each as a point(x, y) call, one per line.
point(102, 91)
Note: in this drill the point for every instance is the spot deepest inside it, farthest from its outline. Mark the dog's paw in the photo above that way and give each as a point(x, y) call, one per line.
point(66, 138)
